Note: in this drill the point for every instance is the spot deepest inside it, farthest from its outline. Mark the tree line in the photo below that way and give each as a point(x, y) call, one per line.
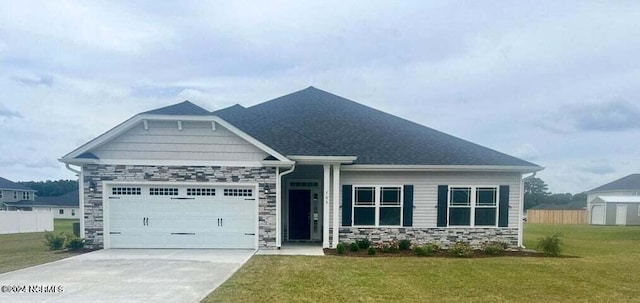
point(51, 188)
point(536, 192)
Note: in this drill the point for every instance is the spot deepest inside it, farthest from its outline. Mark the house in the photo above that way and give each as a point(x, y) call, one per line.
point(14, 192)
point(309, 166)
point(615, 203)
point(66, 206)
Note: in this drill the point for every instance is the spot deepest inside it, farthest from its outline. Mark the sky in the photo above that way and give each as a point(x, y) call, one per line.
point(556, 83)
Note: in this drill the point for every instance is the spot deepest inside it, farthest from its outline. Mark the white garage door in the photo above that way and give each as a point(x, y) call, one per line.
point(189, 216)
point(597, 214)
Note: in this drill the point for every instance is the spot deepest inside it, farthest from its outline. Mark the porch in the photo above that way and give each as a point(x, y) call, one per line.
point(306, 206)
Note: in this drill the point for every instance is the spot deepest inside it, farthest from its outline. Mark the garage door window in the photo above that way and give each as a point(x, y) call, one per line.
point(238, 192)
point(201, 191)
point(128, 191)
point(163, 191)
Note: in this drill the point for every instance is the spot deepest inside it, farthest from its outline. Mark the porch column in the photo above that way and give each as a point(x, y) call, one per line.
point(326, 185)
point(278, 210)
point(336, 205)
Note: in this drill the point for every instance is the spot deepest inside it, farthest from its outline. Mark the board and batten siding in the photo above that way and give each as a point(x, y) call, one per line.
point(425, 190)
point(164, 141)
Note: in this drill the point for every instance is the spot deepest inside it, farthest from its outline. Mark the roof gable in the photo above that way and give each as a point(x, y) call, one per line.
point(630, 182)
point(183, 108)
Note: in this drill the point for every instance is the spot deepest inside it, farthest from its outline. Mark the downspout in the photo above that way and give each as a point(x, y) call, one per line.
point(521, 221)
point(279, 203)
point(80, 176)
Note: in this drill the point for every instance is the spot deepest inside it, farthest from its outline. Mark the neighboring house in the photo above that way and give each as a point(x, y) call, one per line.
point(14, 192)
point(66, 206)
point(309, 166)
point(615, 203)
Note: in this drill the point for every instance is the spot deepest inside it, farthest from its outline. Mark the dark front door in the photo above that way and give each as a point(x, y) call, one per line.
point(299, 214)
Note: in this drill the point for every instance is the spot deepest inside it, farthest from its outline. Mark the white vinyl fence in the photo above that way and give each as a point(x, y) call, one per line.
point(13, 222)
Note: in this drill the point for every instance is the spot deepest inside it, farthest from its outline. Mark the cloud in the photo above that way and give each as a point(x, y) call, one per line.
point(45, 80)
point(146, 91)
point(527, 151)
point(598, 167)
point(616, 114)
point(7, 113)
point(43, 163)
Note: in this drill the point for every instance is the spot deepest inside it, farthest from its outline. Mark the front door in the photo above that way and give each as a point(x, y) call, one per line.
point(299, 214)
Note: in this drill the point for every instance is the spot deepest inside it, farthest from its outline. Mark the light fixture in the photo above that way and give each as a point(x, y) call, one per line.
point(92, 186)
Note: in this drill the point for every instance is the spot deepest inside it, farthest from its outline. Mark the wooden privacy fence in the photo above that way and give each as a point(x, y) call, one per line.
point(557, 216)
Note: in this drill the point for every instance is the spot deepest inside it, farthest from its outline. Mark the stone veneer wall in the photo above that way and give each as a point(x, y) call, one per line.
point(444, 237)
point(93, 215)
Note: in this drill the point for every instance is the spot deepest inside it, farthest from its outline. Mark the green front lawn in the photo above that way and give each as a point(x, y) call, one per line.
point(607, 270)
point(24, 250)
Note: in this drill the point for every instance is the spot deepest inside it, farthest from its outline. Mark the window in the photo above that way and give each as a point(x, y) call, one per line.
point(377, 205)
point(364, 206)
point(0, 194)
point(25, 195)
point(61, 211)
point(163, 191)
point(15, 195)
point(73, 212)
point(201, 191)
point(473, 206)
point(303, 184)
point(238, 192)
point(126, 191)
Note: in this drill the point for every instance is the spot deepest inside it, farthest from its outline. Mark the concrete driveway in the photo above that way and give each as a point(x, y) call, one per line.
point(125, 275)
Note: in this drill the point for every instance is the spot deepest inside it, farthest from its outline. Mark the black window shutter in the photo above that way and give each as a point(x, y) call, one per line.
point(346, 205)
point(407, 207)
point(443, 191)
point(503, 212)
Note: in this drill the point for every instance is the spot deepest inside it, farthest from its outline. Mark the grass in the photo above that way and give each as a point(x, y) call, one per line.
point(24, 250)
point(607, 271)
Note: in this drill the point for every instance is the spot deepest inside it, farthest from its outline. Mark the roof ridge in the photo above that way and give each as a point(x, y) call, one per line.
point(185, 107)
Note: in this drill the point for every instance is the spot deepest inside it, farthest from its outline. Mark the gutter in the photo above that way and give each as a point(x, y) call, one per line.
point(81, 196)
point(68, 166)
point(279, 202)
point(521, 222)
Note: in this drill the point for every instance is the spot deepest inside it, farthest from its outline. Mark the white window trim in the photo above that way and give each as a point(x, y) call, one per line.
point(377, 205)
point(15, 195)
point(473, 206)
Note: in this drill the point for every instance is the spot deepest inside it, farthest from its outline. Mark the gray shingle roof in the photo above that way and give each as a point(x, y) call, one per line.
point(71, 199)
point(183, 108)
point(315, 122)
point(7, 184)
point(630, 182)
